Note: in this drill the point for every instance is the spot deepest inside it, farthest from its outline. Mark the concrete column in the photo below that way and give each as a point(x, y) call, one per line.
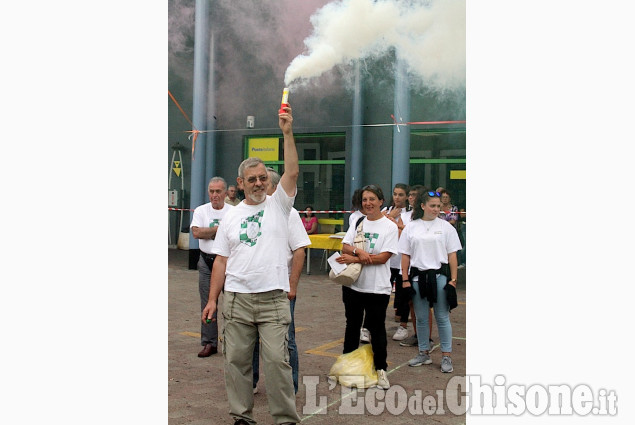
point(401, 134)
point(199, 114)
point(357, 133)
point(210, 139)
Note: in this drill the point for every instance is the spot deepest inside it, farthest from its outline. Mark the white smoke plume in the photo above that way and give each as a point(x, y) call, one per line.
point(181, 36)
point(429, 35)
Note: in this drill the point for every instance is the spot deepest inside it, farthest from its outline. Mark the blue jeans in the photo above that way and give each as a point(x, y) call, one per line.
point(441, 315)
point(293, 353)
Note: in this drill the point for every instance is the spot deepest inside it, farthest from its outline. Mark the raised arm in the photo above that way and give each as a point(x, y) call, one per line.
point(289, 179)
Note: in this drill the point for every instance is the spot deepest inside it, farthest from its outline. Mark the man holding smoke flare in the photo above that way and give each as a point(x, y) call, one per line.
point(251, 265)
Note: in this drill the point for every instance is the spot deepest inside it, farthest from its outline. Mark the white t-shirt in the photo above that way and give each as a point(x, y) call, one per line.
point(297, 235)
point(206, 216)
point(381, 236)
point(255, 238)
point(428, 243)
point(395, 260)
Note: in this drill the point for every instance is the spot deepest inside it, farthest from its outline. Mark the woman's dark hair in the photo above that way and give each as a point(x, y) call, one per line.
point(307, 207)
point(372, 188)
point(419, 188)
point(405, 189)
point(422, 198)
point(356, 199)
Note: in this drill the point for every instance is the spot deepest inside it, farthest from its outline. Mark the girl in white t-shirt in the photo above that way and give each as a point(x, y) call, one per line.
point(397, 213)
point(370, 294)
point(428, 246)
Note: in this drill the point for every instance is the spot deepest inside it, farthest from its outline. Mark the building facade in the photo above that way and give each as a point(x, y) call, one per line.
point(344, 124)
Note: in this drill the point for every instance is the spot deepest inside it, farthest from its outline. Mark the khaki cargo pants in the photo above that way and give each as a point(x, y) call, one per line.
point(246, 316)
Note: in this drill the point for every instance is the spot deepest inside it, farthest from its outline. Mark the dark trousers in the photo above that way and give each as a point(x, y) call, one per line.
point(401, 300)
point(355, 304)
point(209, 331)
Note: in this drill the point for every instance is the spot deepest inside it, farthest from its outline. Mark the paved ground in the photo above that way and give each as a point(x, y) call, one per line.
point(196, 387)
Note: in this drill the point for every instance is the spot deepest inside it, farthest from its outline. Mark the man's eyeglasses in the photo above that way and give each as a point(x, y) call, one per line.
point(433, 194)
point(253, 179)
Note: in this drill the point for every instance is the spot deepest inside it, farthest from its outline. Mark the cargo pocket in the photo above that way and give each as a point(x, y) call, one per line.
point(283, 309)
point(287, 356)
point(228, 305)
point(223, 341)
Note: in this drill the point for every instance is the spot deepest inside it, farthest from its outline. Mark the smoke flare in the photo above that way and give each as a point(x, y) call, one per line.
point(430, 36)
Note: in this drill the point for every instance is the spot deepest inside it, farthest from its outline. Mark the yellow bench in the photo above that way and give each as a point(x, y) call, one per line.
point(327, 225)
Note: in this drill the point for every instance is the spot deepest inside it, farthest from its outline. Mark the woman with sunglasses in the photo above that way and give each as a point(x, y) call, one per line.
point(371, 292)
point(428, 247)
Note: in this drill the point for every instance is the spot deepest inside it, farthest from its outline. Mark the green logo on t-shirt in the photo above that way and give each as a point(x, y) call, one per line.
point(371, 238)
point(214, 223)
point(250, 229)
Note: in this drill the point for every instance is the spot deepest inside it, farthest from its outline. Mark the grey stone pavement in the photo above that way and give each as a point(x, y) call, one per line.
point(196, 386)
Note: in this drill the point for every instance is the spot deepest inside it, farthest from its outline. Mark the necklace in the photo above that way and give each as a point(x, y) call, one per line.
point(431, 226)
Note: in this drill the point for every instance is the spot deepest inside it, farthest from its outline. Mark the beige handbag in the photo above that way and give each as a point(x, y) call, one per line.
point(351, 273)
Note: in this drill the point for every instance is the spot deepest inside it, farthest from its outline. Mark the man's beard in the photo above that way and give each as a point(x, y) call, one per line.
point(258, 197)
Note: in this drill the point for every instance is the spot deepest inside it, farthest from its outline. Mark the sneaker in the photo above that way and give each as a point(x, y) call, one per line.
point(446, 364)
point(421, 359)
point(411, 341)
point(382, 380)
point(393, 288)
point(432, 346)
point(401, 334)
point(364, 335)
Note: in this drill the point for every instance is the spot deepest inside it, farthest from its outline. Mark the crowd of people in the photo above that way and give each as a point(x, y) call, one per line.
point(253, 251)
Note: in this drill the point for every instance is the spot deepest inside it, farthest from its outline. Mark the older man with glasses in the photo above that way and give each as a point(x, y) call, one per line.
point(251, 265)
